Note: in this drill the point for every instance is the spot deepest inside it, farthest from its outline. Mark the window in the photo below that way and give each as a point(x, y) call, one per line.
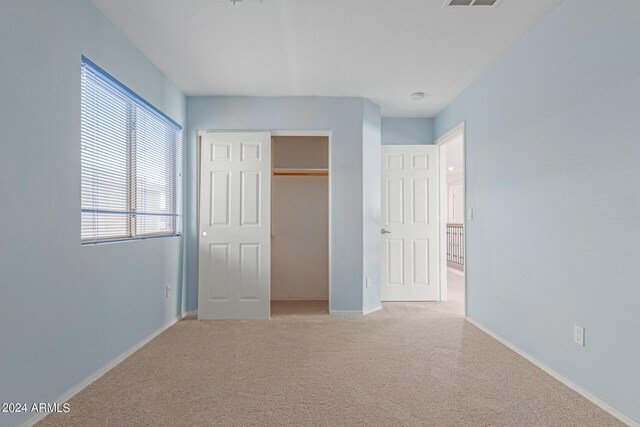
point(131, 163)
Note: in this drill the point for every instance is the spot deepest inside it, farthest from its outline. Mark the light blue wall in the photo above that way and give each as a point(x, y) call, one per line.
point(553, 162)
point(407, 131)
point(372, 242)
point(66, 310)
point(344, 118)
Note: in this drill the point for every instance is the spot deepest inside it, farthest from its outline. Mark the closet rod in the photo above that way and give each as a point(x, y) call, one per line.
point(301, 173)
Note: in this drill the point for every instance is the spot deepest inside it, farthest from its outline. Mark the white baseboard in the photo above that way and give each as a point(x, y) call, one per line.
point(100, 372)
point(566, 381)
point(346, 312)
point(318, 298)
point(371, 310)
point(354, 312)
point(194, 314)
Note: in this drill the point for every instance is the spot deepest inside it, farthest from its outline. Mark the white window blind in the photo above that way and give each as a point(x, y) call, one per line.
point(131, 163)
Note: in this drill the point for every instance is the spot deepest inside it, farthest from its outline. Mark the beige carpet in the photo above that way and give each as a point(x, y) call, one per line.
point(408, 364)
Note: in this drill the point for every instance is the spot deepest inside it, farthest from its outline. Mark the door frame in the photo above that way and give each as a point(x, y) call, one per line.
point(457, 131)
point(325, 133)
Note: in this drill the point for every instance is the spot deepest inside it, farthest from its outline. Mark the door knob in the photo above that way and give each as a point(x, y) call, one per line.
point(383, 231)
point(204, 234)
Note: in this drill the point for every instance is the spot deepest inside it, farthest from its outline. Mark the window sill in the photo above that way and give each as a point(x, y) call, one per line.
point(127, 239)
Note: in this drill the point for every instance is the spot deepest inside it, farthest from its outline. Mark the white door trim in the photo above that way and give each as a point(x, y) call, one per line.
point(326, 133)
point(458, 131)
point(301, 133)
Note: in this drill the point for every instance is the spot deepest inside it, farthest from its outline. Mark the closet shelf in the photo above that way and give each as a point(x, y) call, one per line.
point(300, 172)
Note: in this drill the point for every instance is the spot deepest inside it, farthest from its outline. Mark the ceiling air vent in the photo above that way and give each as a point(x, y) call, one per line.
point(237, 1)
point(470, 3)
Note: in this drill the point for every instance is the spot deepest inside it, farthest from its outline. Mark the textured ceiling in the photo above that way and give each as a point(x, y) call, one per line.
point(379, 49)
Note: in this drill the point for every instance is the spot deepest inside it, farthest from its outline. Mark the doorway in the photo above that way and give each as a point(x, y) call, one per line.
point(300, 225)
point(453, 224)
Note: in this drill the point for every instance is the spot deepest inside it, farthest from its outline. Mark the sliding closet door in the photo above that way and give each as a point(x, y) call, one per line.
point(234, 226)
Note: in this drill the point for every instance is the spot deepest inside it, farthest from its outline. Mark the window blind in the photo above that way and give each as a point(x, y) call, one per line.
point(131, 163)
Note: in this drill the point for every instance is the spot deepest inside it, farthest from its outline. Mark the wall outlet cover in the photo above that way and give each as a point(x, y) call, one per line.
point(578, 335)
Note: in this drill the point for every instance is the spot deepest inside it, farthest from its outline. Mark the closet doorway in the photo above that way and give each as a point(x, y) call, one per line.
point(263, 252)
point(299, 224)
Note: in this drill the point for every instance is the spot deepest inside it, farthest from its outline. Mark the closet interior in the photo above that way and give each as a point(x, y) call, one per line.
point(300, 220)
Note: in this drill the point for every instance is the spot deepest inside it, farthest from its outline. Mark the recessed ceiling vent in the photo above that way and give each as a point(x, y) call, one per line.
point(239, 1)
point(470, 3)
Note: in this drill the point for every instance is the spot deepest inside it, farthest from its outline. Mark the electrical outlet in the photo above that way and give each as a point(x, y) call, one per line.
point(470, 214)
point(578, 335)
point(368, 282)
point(167, 291)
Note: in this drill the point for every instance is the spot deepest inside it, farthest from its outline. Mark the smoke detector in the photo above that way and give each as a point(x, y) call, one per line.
point(470, 3)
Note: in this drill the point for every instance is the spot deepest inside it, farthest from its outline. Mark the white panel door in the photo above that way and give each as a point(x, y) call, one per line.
point(410, 255)
point(234, 226)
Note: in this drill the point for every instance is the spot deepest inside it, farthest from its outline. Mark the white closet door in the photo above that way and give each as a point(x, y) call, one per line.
point(234, 226)
point(410, 257)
